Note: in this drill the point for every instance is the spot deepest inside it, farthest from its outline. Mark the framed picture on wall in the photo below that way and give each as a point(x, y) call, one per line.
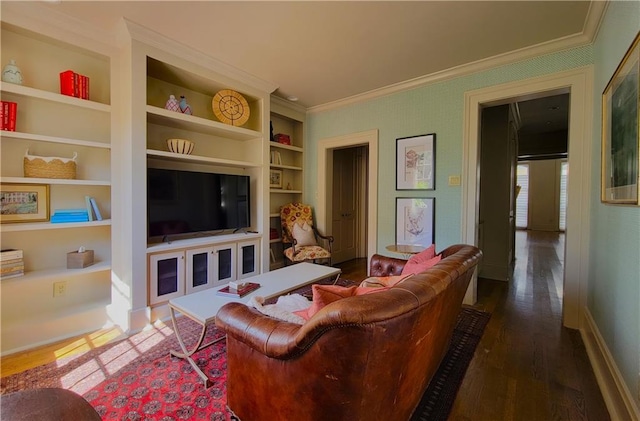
point(415, 162)
point(620, 132)
point(415, 220)
point(24, 203)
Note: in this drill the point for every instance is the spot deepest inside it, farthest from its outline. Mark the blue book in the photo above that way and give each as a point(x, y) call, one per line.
point(94, 205)
point(70, 211)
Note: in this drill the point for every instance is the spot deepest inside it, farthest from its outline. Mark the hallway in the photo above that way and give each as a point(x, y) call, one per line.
point(528, 366)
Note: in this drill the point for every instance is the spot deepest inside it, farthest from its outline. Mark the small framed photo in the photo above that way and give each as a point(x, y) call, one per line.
point(620, 132)
point(24, 203)
point(415, 162)
point(275, 179)
point(415, 219)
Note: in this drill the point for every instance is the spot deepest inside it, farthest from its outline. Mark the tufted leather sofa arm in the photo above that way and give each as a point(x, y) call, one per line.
point(385, 266)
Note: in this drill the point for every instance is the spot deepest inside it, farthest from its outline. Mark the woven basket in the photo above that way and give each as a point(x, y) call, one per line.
point(49, 166)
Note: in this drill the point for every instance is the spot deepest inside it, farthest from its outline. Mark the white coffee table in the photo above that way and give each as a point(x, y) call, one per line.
point(203, 306)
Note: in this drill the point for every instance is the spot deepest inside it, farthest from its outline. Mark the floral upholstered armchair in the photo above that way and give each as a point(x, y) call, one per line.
point(300, 237)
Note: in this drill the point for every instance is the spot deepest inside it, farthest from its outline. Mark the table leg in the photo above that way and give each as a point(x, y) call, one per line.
point(186, 354)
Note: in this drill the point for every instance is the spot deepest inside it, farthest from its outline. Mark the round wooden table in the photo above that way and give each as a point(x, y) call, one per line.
point(405, 249)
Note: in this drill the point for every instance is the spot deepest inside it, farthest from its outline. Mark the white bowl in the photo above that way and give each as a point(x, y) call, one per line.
point(182, 146)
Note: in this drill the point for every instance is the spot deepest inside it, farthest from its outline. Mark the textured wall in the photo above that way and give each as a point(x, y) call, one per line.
point(614, 274)
point(435, 108)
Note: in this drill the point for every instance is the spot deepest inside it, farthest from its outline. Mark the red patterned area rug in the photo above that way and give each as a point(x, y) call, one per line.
point(136, 379)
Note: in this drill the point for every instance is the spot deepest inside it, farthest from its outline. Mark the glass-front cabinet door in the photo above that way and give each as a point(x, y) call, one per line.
point(166, 276)
point(248, 264)
point(224, 263)
point(200, 269)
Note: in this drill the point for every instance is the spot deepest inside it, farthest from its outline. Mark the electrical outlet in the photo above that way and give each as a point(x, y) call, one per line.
point(59, 288)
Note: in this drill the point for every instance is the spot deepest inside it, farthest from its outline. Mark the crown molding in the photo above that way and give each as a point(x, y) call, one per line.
point(276, 100)
point(49, 22)
point(586, 37)
point(159, 41)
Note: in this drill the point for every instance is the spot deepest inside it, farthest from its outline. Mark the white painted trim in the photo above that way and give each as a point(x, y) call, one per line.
point(592, 24)
point(55, 24)
point(162, 43)
point(579, 82)
point(325, 146)
point(616, 393)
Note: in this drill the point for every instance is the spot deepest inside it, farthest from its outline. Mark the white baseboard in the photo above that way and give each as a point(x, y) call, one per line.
point(616, 394)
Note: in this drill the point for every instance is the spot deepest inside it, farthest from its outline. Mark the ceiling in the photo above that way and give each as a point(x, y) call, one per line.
point(327, 52)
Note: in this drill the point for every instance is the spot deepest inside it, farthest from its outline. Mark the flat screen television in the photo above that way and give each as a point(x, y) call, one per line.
point(189, 202)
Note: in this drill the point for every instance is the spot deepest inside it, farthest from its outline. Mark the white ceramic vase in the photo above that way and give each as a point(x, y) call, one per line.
point(12, 73)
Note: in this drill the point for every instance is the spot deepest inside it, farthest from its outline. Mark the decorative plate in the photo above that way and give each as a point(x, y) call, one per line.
point(230, 107)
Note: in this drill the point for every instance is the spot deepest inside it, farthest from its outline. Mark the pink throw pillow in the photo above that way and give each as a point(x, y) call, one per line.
point(425, 255)
point(324, 295)
point(413, 268)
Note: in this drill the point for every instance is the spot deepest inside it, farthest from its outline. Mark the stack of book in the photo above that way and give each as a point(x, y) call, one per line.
point(11, 263)
point(8, 114)
point(69, 215)
point(74, 84)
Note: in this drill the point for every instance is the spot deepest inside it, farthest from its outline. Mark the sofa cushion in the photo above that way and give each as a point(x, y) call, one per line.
point(384, 281)
point(413, 267)
point(284, 309)
point(425, 255)
point(304, 235)
point(324, 295)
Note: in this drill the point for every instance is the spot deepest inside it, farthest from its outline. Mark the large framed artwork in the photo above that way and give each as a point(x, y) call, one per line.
point(415, 162)
point(24, 203)
point(415, 219)
point(620, 126)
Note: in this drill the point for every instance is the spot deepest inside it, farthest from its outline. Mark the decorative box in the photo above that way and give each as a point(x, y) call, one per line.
point(79, 260)
point(282, 138)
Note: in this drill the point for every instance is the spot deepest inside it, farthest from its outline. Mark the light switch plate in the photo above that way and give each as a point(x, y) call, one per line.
point(454, 180)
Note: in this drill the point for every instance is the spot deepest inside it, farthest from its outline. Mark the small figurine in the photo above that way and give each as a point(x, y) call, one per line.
point(12, 73)
point(184, 107)
point(172, 104)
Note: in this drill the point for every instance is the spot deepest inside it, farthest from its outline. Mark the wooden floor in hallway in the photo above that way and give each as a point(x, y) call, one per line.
point(527, 367)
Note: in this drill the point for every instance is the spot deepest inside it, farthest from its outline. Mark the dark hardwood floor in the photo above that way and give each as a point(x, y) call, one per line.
point(527, 367)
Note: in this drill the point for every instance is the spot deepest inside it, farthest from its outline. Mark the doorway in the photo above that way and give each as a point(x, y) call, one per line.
point(578, 83)
point(349, 202)
point(368, 233)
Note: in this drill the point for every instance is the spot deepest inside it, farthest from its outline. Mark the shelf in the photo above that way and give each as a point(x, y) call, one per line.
point(286, 167)
point(54, 97)
point(60, 272)
point(72, 182)
point(287, 147)
point(37, 226)
point(160, 116)
point(283, 191)
point(274, 215)
point(200, 159)
point(275, 240)
point(53, 139)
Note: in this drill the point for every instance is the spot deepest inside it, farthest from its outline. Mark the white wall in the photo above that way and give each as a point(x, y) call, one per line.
point(544, 195)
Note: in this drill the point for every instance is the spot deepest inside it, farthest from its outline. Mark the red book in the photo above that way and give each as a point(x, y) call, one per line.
point(66, 82)
point(76, 85)
point(241, 291)
point(84, 87)
point(81, 81)
point(13, 114)
point(2, 114)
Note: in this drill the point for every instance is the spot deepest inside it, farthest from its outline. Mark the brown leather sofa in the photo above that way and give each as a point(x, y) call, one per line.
point(368, 357)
